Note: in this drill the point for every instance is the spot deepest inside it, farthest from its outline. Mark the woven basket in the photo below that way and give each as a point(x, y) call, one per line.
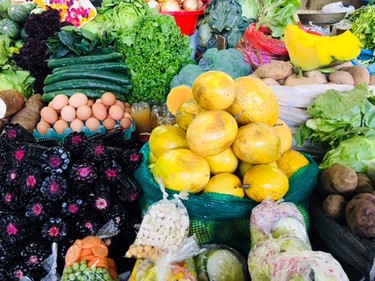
point(219, 218)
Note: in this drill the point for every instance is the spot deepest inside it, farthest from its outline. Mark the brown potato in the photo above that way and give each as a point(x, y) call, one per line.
point(270, 82)
point(341, 77)
point(360, 215)
point(342, 65)
point(319, 77)
point(334, 207)
point(372, 80)
point(293, 80)
point(364, 185)
point(275, 69)
point(359, 73)
point(338, 179)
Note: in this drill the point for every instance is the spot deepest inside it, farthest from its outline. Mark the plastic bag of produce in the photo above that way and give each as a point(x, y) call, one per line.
point(272, 219)
point(145, 270)
point(88, 259)
point(221, 263)
point(289, 258)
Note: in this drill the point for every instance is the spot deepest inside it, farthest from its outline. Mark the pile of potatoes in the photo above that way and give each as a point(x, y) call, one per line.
point(281, 73)
point(349, 197)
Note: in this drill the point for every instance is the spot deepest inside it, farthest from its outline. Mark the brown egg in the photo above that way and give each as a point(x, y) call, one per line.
point(48, 114)
point(109, 123)
point(68, 113)
point(42, 127)
point(77, 100)
point(128, 109)
point(120, 103)
point(60, 101)
point(90, 102)
point(99, 111)
point(127, 104)
point(98, 100)
point(125, 123)
point(92, 124)
point(127, 115)
point(76, 125)
point(108, 98)
point(60, 126)
point(116, 112)
point(84, 112)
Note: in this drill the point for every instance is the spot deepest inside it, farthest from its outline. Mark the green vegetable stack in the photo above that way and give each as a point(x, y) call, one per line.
point(363, 25)
point(81, 272)
point(92, 75)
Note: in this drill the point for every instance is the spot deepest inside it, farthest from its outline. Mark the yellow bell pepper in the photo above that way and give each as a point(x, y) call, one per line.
point(310, 51)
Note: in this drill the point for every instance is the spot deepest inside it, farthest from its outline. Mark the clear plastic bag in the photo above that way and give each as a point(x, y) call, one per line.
point(272, 219)
point(87, 259)
point(288, 258)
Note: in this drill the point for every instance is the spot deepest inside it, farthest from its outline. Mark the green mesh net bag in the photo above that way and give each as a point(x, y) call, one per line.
point(225, 219)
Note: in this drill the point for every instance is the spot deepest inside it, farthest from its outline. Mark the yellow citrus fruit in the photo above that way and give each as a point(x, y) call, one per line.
point(151, 158)
point(186, 112)
point(211, 132)
point(257, 143)
point(243, 167)
point(214, 90)
point(285, 135)
point(166, 137)
point(265, 181)
point(181, 169)
point(291, 161)
point(225, 183)
point(224, 162)
point(255, 102)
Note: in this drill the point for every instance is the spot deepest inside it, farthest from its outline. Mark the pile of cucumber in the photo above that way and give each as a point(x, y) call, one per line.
point(91, 75)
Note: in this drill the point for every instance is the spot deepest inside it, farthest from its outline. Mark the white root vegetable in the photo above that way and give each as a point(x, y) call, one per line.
point(11, 101)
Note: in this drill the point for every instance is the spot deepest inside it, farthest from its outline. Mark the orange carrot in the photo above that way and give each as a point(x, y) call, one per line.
point(100, 251)
point(72, 255)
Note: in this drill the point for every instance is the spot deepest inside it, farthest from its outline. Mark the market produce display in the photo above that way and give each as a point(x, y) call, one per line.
point(196, 151)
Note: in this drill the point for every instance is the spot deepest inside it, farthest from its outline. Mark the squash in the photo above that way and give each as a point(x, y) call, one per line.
point(177, 96)
point(10, 28)
point(18, 13)
point(310, 51)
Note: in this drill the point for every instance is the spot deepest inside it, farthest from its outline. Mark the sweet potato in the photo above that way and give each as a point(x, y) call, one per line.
point(319, 77)
point(360, 215)
point(11, 101)
point(359, 73)
point(364, 185)
point(270, 82)
point(338, 179)
point(293, 80)
point(334, 207)
point(275, 69)
point(29, 115)
point(341, 77)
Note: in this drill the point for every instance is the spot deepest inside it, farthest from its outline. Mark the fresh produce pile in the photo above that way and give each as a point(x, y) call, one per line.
point(59, 192)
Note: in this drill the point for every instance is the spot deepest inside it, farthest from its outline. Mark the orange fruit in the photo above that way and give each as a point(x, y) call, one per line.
point(291, 161)
point(285, 135)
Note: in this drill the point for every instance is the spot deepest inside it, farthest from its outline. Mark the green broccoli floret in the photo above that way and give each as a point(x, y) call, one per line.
point(230, 61)
point(186, 76)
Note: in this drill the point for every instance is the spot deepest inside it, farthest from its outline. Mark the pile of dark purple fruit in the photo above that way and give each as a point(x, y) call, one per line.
point(61, 191)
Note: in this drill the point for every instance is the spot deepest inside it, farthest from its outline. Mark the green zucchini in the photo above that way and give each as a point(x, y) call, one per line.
point(108, 66)
point(112, 57)
point(91, 94)
point(102, 75)
point(90, 84)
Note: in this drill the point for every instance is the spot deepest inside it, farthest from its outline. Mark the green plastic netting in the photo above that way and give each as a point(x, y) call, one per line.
point(219, 218)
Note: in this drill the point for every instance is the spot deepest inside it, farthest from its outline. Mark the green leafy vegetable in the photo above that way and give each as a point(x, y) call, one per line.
point(363, 25)
point(250, 8)
point(277, 14)
point(357, 152)
point(19, 80)
point(339, 115)
point(155, 51)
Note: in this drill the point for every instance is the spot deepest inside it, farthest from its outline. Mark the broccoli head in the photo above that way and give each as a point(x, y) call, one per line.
point(186, 76)
point(230, 61)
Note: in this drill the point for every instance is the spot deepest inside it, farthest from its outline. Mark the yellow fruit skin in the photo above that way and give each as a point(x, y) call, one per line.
point(257, 143)
point(255, 102)
point(224, 162)
point(182, 170)
point(186, 112)
point(285, 135)
point(265, 181)
point(214, 90)
point(151, 158)
point(225, 183)
point(211, 132)
point(166, 137)
point(291, 161)
point(243, 167)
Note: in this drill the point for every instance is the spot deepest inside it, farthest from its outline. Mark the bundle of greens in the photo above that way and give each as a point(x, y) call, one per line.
point(155, 51)
point(277, 14)
point(339, 115)
point(363, 25)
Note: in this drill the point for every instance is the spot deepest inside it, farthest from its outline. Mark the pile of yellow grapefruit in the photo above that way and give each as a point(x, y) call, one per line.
point(228, 139)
